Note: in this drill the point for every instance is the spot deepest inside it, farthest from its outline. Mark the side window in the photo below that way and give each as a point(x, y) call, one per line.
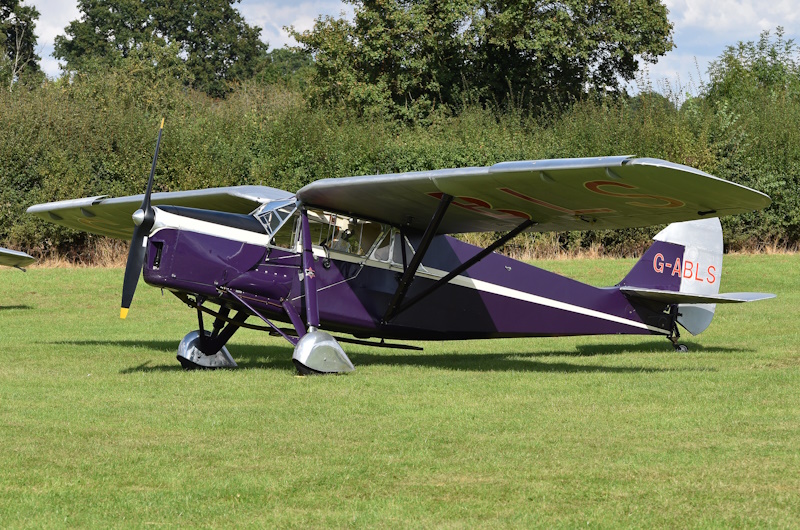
point(320, 225)
point(370, 232)
point(381, 252)
point(341, 233)
point(390, 249)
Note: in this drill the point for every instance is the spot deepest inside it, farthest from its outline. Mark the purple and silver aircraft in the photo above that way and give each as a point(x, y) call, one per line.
point(371, 256)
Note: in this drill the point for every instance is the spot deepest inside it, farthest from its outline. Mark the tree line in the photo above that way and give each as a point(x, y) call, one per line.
point(403, 86)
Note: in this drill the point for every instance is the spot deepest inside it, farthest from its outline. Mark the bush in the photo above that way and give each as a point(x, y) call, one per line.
point(94, 133)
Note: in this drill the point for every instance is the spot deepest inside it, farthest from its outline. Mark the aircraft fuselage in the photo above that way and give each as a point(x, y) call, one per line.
point(497, 297)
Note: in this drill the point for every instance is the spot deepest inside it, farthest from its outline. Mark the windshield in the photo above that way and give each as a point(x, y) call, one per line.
point(274, 215)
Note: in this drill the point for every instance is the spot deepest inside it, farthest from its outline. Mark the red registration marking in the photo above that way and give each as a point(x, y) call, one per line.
point(665, 202)
point(484, 208)
point(554, 206)
point(600, 187)
point(688, 269)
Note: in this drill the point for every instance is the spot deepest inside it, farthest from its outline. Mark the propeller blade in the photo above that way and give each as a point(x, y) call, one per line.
point(144, 218)
point(146, 201)
point(133, 268)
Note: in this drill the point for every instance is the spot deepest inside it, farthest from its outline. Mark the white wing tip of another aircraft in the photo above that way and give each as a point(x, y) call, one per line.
point(15, 258)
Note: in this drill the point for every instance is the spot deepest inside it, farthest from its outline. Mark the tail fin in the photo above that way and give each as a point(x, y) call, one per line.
point(684, 266)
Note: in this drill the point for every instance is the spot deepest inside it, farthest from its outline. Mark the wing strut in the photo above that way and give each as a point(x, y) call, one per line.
point(309, 276)
point(466, 265)
point(411, 270)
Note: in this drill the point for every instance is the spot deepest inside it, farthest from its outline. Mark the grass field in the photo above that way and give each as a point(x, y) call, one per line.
point(101, 428)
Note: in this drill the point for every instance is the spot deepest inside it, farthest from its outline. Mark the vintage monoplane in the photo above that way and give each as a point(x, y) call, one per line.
point(370, 256)
point(15, 258)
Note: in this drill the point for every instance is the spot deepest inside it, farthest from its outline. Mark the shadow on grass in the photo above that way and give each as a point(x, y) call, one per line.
point(280, 358)
point(503, 362)
point(662, 346)
point(283, 364)
point(264, 357)
point(13, 307)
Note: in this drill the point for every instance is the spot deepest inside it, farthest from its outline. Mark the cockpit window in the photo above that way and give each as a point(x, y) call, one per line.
point(390, 249)
point(342, 233)
point(333, 231)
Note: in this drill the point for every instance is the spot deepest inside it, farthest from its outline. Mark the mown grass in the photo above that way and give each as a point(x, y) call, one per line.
point(101, 428)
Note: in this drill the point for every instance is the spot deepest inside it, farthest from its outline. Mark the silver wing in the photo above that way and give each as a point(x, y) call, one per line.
point(565, 194)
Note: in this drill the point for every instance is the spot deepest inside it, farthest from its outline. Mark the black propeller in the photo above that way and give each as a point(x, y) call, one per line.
point(143, 218)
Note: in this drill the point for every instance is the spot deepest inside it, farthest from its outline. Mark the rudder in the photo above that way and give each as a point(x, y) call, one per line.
point(686, 258)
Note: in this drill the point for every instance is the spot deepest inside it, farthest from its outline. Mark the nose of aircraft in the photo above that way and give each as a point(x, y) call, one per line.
point(138, 217)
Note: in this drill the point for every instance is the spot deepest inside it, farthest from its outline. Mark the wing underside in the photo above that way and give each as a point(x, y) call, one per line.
point(566, 194)
point(557, 195)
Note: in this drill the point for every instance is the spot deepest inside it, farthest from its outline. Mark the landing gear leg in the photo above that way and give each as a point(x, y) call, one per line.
point(202, 349)
point(317, 352)
point(675, 334)
point(191, 356)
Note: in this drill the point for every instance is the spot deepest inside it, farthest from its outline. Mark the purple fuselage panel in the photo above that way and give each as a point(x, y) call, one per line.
point(497, 297)
point(197, 263)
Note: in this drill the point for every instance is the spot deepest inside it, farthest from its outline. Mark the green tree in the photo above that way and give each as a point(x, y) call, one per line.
point(414, 54)
point(290, 67)
point(406, 57)
point(554, 51)
point(750, 67)
point(18, 42)
point(754, 97)
point(211, 37)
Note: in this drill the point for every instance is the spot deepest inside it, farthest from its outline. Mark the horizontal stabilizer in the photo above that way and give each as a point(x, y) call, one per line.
point(674, 297)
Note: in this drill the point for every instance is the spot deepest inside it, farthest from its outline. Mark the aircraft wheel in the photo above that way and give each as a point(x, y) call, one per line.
point(305, 370)
point(683, 348)
point(319, 353)
point(192, 358)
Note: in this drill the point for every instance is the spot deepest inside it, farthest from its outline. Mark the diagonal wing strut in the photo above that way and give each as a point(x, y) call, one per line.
point(396, 306)
point(466, 265)
point(411, 270)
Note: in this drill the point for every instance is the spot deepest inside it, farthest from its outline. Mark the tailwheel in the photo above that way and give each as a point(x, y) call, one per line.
point(191, 356)
point(675, 334)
